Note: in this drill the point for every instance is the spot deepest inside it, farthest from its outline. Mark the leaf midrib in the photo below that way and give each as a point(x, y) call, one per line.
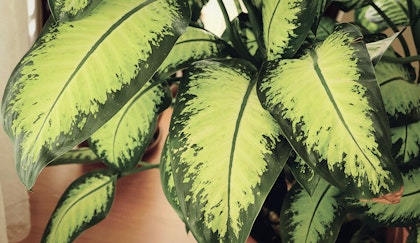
point(315, 209)
point(80, 198)
point(324, 83)
point(88, 54)
point(234, 139)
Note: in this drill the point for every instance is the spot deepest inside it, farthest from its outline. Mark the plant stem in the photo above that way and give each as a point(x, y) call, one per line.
point(393, 27)
point(144, 166)
point(235, 38)
point(402, 60)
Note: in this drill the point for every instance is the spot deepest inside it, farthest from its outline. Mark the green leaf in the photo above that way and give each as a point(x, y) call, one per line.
point(378, 48)
point(226, 150)
point(406, 142)
point(194, 45)
point(122, 141)
point(325, 28)
point(81, 155)
point(286, 25)
point(79, 74)
point(64, 10)
point(315, 218)
point(332, 114)
point(405, 213)
point(85, 203)
point(401, 96)
point(168, 182)
point(304, 174)
point(370, 19)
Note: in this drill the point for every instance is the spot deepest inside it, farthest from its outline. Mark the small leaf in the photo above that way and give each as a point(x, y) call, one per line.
point(378, 48)
point(226, 150)
point(122, 141)
point(332, 114)
point(315, 218)
point(194, 45)
point(86, 202)
point(304, 175)
point(79, 74)
point(64, 10)
point(286, 25)
point(81, 155)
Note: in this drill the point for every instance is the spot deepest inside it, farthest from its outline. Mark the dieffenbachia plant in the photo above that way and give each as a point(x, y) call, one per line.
point(286, 89)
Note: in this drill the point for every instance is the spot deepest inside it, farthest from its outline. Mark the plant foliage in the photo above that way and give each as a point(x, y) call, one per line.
point(286, 89)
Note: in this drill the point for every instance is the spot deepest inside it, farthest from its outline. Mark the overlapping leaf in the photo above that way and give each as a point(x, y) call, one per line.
point(406, 142)
point(315, 218)
point(286, 24)
point(80, 73)
point(304, 174)
point(122, 141)
point(194, 45)
point(401, 96)
point(395, 10)
point(226, 150)
point(405, 213)
point(332, 113)
point(86, 202)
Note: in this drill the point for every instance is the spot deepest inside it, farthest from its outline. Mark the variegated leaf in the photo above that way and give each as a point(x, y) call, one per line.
point(226, 150)
point(286, 24)
point(81, 155)
point(86, 202)
point(401, 96)
point(332, 113)
point(304, 174)
point(371, 20)
point(406, 142)
point(406, 212)
point(168, 182)
point(122, 141)
point(315, 218)
point(63, 10)
point(194, 45)
point(79, 74)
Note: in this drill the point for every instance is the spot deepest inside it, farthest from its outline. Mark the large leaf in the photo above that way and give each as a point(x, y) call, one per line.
point(80, 73)
point(226, 150)
point(63, 10)
point(194, 45)
point(286, 25)
point(405, 213)
point(330, 109)
point(122, 141)
point(347, 5)
point(315, 218)
point(86, 202)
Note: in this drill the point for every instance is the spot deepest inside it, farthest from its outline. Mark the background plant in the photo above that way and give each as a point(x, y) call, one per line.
point(286, 90)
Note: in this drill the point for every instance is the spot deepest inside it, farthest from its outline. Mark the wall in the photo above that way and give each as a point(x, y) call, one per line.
point(14, 42)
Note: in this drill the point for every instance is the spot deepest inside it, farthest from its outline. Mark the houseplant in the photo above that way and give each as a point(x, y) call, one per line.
point(286, 90)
